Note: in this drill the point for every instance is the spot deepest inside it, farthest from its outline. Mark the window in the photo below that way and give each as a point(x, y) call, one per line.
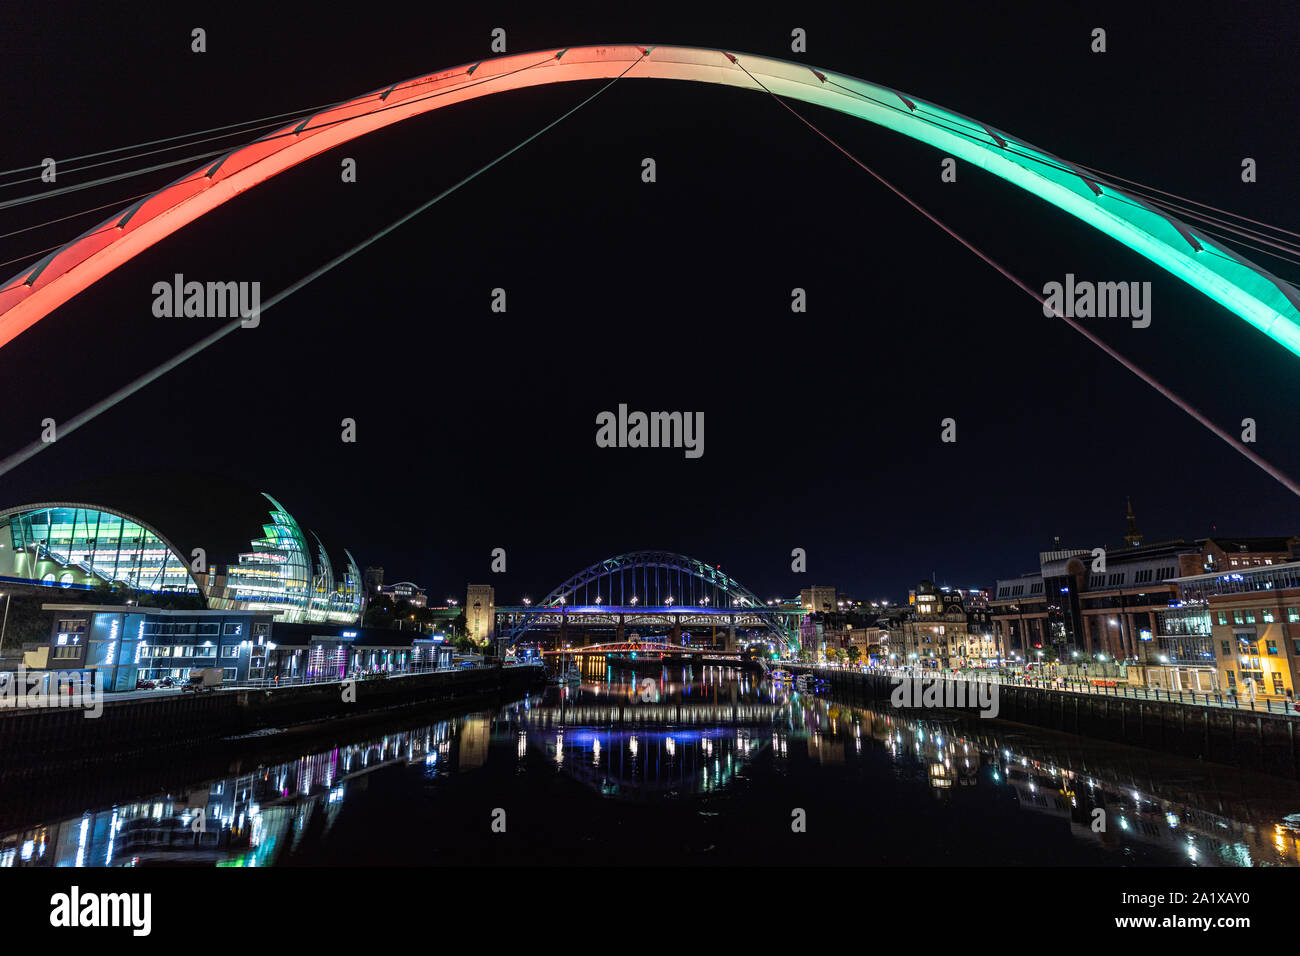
point(1266, 615)
point(157, 651)
point(261, 630)
point(231, 650)
point(1227, 649)
point(66, 653)
point(73, 626)
point(234, 629)
point(1236, 618)
point(1223, 617)
point(1293, 615)
point(1279, 686)
point(1272, 648)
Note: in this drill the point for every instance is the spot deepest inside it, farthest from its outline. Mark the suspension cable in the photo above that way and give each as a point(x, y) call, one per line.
point(126, 391)
point(1238, 446)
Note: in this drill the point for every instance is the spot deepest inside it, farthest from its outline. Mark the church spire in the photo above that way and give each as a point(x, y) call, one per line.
point(1134, 536)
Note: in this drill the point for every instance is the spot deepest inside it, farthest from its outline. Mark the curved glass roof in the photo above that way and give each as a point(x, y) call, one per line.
point(279, 574)
point(83, 546)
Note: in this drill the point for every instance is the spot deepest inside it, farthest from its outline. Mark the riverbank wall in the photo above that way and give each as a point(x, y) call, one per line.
point(170, 721)
point(1240, 738)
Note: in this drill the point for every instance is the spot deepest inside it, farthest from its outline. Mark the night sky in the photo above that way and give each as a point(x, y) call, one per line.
point(476, 430)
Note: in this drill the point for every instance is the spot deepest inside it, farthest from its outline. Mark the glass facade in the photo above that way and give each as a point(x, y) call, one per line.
point(349, 596)
point(1278, 577)
point(280, 575)
point(277, 574)
point(82, 546)
point(79, 546)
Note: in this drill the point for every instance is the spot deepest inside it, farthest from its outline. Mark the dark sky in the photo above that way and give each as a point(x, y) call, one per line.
point(476, 430)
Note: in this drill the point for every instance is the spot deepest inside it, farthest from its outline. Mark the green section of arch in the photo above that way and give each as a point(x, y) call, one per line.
point(1265, 301)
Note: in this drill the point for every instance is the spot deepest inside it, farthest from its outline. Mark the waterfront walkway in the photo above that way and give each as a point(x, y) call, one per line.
point(1063, 685)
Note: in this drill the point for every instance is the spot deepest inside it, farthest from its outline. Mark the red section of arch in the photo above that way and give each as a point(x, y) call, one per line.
point(30, 296)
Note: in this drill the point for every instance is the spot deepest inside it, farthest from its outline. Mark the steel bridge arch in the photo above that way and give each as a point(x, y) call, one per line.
point(1244, 288)
point(737, 596)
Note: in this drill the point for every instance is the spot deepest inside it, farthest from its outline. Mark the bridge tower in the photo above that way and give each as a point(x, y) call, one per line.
point(480, 612)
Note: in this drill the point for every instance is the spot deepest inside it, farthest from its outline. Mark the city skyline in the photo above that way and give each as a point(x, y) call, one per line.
point(226, 537)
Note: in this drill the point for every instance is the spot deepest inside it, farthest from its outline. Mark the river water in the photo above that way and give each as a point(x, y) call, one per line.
point(683, 765)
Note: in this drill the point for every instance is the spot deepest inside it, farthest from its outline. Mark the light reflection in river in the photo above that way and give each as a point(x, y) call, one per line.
point(692, 735)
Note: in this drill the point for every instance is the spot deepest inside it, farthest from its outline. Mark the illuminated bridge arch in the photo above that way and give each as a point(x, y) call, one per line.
point(651, 585)
point(1263, 300)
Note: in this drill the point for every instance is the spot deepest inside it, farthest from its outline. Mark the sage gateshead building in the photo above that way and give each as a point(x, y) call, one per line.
point(85, 547)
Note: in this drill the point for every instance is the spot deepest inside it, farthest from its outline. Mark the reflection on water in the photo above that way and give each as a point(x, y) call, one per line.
point(662, 750)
